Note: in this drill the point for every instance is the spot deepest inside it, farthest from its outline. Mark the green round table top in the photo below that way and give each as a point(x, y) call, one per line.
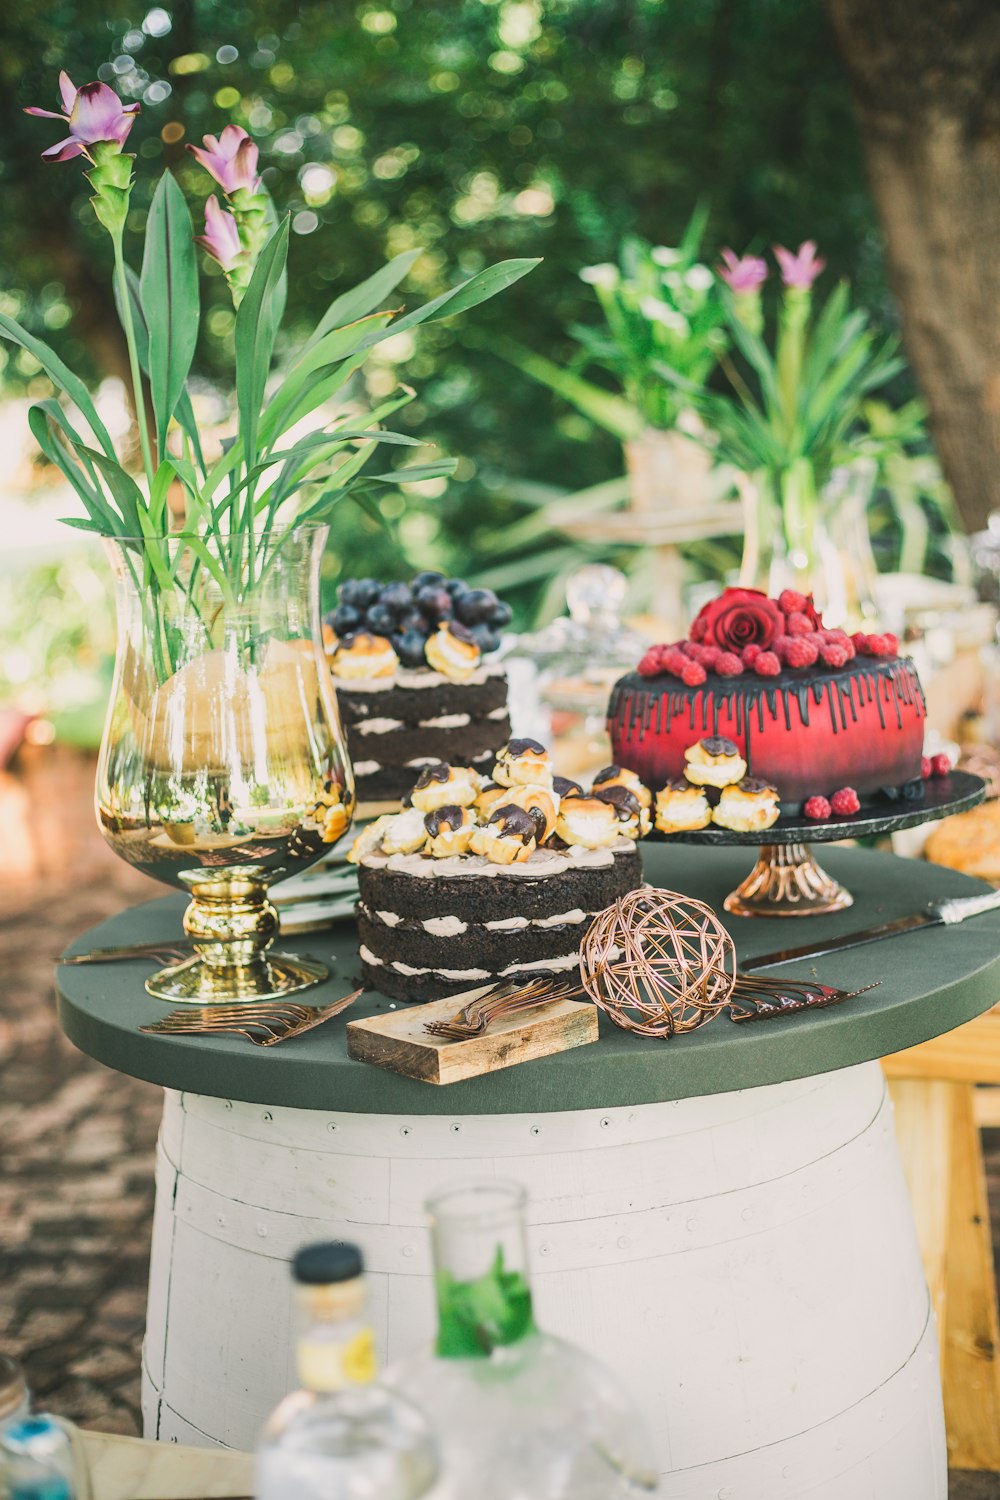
point(931, 981)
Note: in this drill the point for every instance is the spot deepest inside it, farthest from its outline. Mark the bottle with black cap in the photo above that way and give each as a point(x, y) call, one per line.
point(342, 1436)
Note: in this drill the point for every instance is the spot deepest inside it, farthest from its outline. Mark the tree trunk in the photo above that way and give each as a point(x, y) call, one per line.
point(924, 75)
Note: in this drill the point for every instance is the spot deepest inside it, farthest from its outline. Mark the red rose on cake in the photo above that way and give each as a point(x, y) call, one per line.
point(737, 619)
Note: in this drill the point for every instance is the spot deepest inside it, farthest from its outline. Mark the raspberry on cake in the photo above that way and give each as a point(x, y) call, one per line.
point(461, 894)
point(416, 678)
point(813, 712)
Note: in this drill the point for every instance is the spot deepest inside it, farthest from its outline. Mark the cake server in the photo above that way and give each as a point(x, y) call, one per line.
point(936, 914)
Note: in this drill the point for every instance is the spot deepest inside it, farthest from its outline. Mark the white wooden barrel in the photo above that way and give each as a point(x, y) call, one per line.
point(745, 1261)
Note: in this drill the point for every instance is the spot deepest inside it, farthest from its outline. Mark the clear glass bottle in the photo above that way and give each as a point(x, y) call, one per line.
point(341, 1436)
point(519, 1415)
point(36, 1456)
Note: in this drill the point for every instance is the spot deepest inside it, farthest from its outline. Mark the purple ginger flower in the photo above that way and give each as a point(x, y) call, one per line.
point(799, 270)
point(94, 114)
point(231, 160)
point(221, 238)
point(742, 275)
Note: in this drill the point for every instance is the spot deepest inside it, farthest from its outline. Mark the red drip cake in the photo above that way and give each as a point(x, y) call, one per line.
point(813, 711)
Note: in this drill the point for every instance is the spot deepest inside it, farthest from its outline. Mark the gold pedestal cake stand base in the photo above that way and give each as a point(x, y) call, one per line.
point(786, 881)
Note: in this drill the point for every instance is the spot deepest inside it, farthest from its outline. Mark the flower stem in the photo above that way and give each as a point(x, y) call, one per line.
point(133, 360)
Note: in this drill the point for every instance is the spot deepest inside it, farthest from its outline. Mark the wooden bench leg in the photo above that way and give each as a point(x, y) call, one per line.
point(943, 1160)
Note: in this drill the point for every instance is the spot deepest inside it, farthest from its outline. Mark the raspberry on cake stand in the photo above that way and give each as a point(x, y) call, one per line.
point(787, 881)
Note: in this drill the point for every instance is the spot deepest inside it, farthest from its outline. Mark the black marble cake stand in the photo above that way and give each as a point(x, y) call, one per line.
point(786, 881)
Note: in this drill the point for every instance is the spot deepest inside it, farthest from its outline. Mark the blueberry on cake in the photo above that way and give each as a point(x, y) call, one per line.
point(414, 665)
point(480, 880)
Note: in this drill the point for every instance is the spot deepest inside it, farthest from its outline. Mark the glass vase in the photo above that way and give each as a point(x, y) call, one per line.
point(813, 539)
point(519, 1415)
point(223, 767)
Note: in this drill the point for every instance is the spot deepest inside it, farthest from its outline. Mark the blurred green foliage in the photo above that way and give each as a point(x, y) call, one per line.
point(478, 129)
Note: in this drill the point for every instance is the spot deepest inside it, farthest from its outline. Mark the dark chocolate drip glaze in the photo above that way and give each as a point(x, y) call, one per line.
point(444, 817)
point(654, 703)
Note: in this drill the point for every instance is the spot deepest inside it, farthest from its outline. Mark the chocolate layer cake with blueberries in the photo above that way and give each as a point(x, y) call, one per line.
point(481, 880)
point(417, 679)
point(831, 721)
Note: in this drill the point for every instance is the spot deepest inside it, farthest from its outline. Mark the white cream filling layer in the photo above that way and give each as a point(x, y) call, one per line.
point(551, 965)
point(418, 678)
point(377, 726)
point(540, 864)
point(446, 721)
point(454, 926)
point(366, 767)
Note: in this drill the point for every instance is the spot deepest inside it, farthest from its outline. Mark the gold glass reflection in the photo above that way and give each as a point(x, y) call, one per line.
point(223, 766)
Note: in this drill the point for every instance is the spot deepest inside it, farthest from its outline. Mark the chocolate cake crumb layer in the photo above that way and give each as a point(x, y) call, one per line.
point(479, 947)
point(489, 898)
point(473, 929)
point(413, 704)
point(460, 745)
point(423, 987)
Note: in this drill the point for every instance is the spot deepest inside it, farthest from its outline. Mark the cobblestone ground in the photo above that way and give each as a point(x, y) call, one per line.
point(76, 1143)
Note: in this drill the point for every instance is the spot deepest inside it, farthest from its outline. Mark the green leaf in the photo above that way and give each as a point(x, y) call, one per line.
point(79, 524)
point(169, 290)
point(308, 373)
point(366, 296)
point(414, 472)
point(41, 424)
point(469, 293)
point(123, 487)
point(256, 329)
point(61, 375)
point(184, 412)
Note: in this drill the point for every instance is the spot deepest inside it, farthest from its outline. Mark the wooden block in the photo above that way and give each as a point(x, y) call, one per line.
point(971, 1352)
point(399, 1042)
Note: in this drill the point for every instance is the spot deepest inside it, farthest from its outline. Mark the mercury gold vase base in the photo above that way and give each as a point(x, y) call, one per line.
point(232, 925)
point(786, 881)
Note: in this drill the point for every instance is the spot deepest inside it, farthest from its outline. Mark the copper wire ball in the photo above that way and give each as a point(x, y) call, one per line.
point(658, 963)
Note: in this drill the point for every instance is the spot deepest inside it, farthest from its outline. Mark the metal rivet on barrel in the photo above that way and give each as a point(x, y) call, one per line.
point(262, 1231)
point(605, 1122)
point(409, 1251)
point(623, 1242)
point(544, 1249)
point(227, 1104)
point(455, 1128)
point(747, 1215)
point(332, 1126)
point(221, 1221)
point(536, 1130)
point(404, 1129)
point(691, 1224)
point(267, 1117)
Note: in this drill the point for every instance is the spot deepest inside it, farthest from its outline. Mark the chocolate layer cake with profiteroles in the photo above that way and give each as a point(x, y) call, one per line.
point(484, 880)
point(417, 679)
point(815, 713)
